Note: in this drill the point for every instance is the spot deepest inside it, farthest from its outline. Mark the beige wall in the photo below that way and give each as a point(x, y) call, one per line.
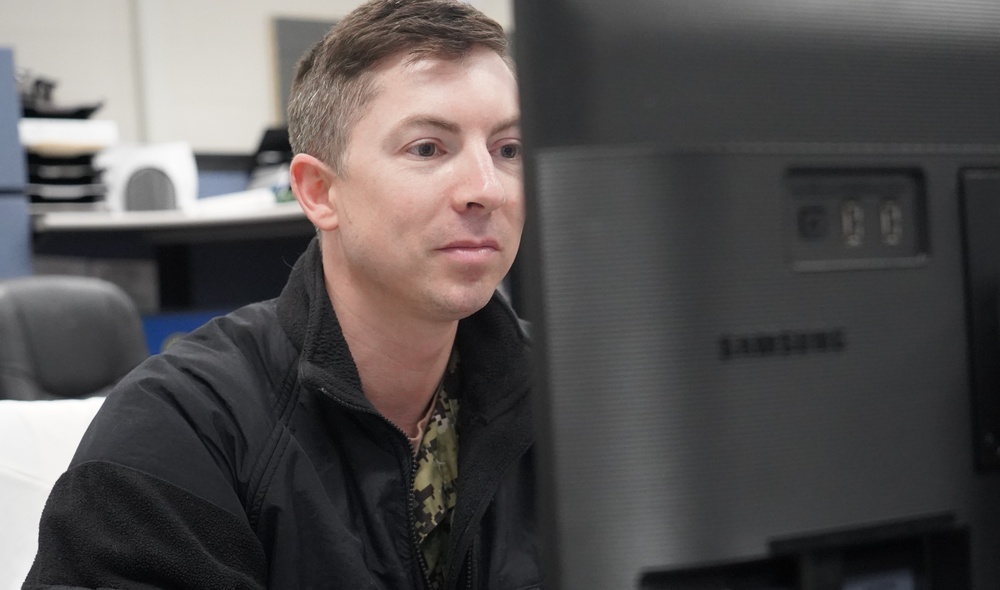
point(203, 71)
point(86, 46)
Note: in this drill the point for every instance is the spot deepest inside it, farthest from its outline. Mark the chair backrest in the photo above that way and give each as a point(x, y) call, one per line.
point(66, 337)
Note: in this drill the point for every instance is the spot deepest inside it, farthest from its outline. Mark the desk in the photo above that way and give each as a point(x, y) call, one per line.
point(173, 226)
point(219, 256)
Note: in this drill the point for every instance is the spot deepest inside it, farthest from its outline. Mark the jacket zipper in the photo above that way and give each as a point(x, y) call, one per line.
point(411, 497)
point(470, 576)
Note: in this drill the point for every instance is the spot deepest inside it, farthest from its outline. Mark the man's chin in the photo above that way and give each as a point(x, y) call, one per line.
point(461, 307)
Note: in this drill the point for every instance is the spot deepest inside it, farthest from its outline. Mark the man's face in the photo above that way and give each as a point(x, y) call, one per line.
point(431, 206)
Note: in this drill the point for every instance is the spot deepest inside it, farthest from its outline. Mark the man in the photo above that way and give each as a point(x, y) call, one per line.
point(370, 427)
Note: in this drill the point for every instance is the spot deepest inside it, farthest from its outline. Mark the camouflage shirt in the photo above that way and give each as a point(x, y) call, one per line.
point(437, 472)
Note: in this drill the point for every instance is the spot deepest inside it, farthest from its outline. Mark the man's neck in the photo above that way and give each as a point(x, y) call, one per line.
point(400, 363)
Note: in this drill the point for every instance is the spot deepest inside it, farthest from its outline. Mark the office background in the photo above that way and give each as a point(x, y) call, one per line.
point(202, 72)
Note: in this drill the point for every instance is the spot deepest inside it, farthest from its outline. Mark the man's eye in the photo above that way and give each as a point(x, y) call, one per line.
point(510, 151)
point(424, 150)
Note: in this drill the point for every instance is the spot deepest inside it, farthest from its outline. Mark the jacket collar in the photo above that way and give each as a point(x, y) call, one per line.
point(492, 344)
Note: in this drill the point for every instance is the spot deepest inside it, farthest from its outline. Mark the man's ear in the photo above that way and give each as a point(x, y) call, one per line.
point(311, 182)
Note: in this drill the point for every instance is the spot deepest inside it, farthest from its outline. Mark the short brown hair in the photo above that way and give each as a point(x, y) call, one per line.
point(333, 81)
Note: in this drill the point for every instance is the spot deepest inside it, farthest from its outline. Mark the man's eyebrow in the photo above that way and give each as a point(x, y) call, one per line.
point(451, 126)
point(506, 124)
point(428, 120)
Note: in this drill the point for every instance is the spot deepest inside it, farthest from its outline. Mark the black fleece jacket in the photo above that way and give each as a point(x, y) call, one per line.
point(246, 456)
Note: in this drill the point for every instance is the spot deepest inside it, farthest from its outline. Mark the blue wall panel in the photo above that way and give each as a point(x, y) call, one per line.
point(15, 230)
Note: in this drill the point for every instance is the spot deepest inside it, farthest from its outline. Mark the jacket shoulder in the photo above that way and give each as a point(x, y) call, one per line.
point(200, 414)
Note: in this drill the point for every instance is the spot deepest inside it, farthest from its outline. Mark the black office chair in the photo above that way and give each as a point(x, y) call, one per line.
point(66, 337)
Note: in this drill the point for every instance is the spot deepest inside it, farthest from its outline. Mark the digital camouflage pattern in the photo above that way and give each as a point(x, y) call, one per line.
point(437, 472)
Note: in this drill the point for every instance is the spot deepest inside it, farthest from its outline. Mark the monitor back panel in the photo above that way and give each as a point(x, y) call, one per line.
point(726, 365)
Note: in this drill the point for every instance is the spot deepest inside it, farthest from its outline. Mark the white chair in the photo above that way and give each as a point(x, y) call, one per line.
point(37, 441)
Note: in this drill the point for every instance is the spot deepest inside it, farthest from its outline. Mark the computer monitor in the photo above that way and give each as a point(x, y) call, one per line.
point(762, 270)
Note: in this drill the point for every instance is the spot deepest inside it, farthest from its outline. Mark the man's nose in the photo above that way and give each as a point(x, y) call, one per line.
point(479, 186)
